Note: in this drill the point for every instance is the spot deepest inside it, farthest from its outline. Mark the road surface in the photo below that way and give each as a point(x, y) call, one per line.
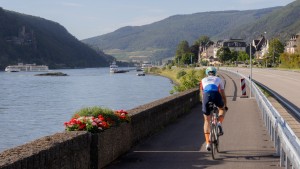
point(244, 145)
point(285, 83)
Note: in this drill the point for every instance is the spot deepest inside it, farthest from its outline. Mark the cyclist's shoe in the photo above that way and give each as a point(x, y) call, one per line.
point(208, 148)
point(220, 129)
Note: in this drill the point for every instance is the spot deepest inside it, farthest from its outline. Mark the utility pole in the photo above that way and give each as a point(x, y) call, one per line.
point(273, 55)
point(250, 72)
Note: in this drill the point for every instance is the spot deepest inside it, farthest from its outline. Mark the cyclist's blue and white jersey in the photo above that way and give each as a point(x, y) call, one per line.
point(211, 87)
point(211, 84)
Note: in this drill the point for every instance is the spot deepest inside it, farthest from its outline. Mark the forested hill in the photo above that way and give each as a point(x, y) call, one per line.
point(160, 39)
point(281, 23)
point(30, 39)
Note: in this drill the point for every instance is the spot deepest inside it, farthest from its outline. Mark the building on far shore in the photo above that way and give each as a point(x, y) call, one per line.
point(261, 46)
point(232, 44)
point(209, 51)
point(292, 44)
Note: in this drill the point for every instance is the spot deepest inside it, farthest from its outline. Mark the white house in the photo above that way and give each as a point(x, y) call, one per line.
point(291, 44)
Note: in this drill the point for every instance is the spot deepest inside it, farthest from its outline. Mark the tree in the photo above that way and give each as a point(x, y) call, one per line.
point(203, 40)
point(182, 49)
point(224, 54)
point(275, 49)
point(234, 56)
point(243, 56)
point(195, 50)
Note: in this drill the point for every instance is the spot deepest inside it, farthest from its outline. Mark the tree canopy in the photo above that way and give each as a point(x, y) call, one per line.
point(275, 49)
point(224, 54)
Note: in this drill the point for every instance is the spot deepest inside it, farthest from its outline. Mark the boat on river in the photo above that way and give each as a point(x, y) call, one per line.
point(146, 66)
point(140, 74)
point(113, 68)
point(20, 67)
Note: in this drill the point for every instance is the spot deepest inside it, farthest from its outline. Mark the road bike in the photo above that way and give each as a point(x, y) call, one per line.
point(214, 130)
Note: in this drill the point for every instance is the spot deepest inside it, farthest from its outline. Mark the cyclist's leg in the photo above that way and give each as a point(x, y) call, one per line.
point(220, 104)
point(206, 115)
point(207, 128)
point(221, 114)
point(220, 121)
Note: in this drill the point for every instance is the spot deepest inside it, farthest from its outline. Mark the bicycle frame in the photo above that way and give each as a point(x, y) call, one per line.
point(214, 136)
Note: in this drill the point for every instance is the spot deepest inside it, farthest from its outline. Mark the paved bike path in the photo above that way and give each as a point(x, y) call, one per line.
point(180, 145)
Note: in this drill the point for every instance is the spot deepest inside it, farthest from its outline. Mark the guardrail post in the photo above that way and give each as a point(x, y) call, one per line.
point(287, 162)
point(282, 157)
point(264, 116)
point(269, 126)
point(277, 145)
point(272, 131)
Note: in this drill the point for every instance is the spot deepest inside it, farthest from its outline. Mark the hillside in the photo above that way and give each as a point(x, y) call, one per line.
point(282, 23)
point(30, 39)
point(159, 40)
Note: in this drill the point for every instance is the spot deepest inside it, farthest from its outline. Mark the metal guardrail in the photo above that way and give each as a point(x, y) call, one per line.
point(287, 144)
point(282, 101)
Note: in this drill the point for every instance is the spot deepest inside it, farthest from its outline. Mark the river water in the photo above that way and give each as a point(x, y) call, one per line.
point(35, 106)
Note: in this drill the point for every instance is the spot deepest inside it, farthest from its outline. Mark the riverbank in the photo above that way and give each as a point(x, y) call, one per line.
point(183, 78)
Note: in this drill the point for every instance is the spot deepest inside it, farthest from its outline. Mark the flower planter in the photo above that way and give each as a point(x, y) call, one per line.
point(110, 144)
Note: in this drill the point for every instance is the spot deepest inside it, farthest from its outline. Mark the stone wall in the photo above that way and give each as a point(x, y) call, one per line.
point(66, 150)
point(83, 150)
point(149, 118)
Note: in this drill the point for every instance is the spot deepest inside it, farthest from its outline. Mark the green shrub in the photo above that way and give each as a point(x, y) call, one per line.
point(180, 74)
point(169, 66)
point(190, 80)
point(155, 70)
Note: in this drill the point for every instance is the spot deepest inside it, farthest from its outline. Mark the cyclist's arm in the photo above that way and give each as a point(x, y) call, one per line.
point(222, 92)
point(201, 90)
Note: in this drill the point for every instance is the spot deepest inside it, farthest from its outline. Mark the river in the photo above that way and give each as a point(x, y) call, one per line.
point(35, 106)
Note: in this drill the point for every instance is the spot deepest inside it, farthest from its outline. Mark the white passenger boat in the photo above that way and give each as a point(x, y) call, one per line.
point(113, 68)
point(26, 68)
point(146, 66)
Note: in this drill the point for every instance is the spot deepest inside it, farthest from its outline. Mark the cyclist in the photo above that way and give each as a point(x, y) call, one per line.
point(212, 89)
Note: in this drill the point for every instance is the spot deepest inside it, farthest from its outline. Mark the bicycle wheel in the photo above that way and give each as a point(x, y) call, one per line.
point(217, 145)
point(213, 140)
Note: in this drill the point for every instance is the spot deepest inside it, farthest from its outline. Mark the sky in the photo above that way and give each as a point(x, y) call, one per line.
point(90, 18)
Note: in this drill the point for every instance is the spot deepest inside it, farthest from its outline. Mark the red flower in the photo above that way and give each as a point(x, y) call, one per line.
point(100, 117)
point(82, 126)
point(121, 112)
point(103, 124)
point(95, 124)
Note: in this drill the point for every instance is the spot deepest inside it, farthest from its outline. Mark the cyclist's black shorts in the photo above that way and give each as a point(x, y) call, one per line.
point(211, 97)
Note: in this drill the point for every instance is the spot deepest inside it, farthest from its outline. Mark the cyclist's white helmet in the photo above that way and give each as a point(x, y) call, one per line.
point(211, 70)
